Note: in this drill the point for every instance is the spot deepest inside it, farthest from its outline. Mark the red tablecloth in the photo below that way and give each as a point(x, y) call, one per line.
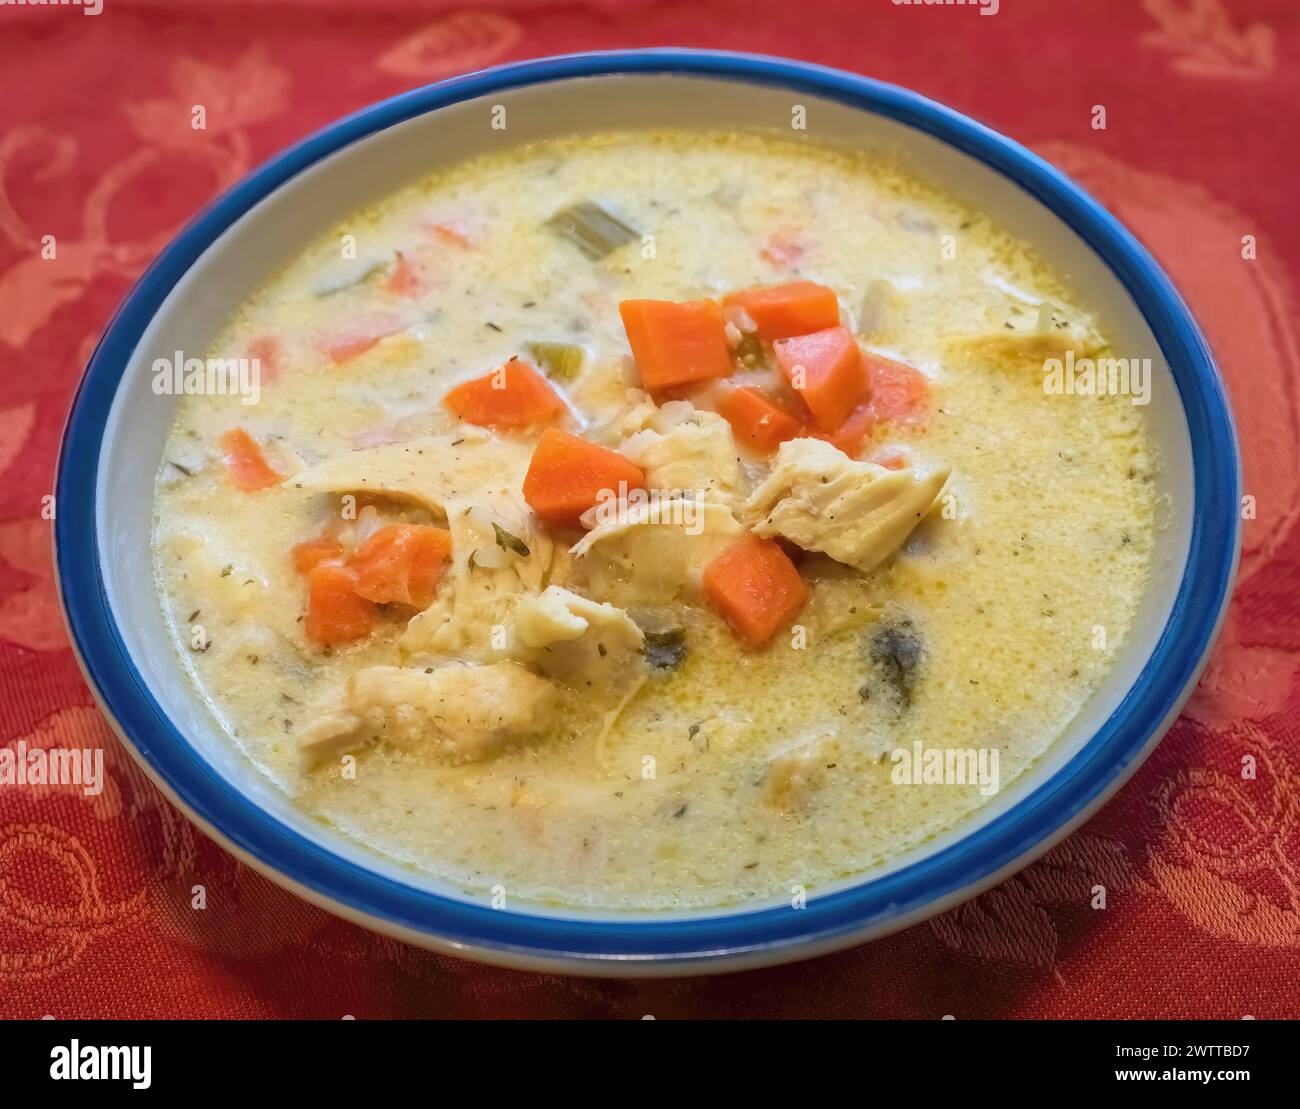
point(1202, 866)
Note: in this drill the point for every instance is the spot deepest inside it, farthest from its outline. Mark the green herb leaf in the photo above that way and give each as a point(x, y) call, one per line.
point(510, 542)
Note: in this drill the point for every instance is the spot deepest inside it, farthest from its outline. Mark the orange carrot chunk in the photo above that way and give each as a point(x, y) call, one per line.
point(307, 556)
point(401, 564)
point(849, 435)
point(346, 347)
point(783, 249)
point(453, 231)
point(512, 395)
point(755, 587)
point(245, 462)
point(358, 336)
point(404, 281)
point(898, 392)
point(780, 311)
point(676, 344)
point(568, 475)
point(270, 357)
point(335, 614)
point(757, 419)
point(431, 554)
point(826, 370)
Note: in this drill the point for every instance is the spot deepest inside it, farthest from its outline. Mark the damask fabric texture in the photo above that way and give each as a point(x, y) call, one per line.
point(1201, 866)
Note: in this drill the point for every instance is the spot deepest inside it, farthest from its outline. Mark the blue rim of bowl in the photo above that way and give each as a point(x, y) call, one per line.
point(1089, 775)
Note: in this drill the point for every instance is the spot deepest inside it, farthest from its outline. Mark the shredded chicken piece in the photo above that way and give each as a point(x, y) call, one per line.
point(331, 733)
point(474, 479)
point(594, 647)
point(467, 713)
point(601, 746)
point(856, 512)
point(794, 773)
point(431, 471)
point(692, 455)
point(559, 615)
point(480, 598)
point(1037, 330)
point(655, 551)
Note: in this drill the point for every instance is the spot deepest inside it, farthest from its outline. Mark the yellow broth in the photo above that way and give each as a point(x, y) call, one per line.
point(1044, 538)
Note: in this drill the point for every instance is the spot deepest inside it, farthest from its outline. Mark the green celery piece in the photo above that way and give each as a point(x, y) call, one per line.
point(592, 229)
point(560, 360)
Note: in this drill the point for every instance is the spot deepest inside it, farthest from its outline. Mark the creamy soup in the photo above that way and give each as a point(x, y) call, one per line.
point(654, 520)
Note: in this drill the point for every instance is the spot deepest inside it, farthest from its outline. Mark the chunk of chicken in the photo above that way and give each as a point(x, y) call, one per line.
point(692, 452)
point(333, 731)
point(558, 615)
point(1039, 330)
point(592, 646)
point(431, 470)
point(795, 772)
point(655, 551)
point(487, 577)
point(856, 512)
point(466, 713)
point(474, 479)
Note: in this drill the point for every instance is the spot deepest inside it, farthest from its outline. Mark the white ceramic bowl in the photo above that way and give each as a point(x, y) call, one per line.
point(117, 427)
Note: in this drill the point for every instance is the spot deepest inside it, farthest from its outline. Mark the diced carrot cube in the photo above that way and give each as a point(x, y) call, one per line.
point(358, 336)
point(454, 231)
point(347, 347)
point(795, 308)
point(401, 564)
point(756, 419)
point(755, 587)
point(245, 462)
point(307, 556)
point(849, 435)
point(404, 281)
point(676, 344)
point(899, 393)
point(568, 475)
point(270, 358)
point(783, 249)
point(512, 395)
point(430, 556)
point(335, 614)
point(826, 370)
